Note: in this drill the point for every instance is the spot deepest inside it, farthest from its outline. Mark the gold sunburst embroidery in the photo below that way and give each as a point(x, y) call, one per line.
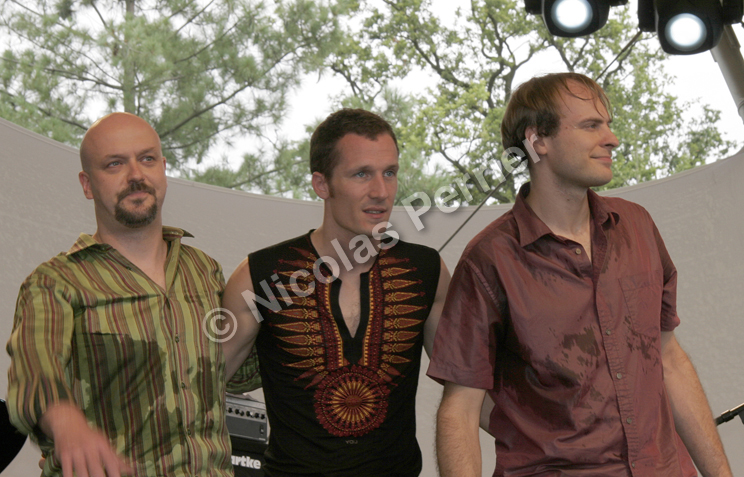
point(397, 310)
point(398, 284)
point(396, 297)
point(399, 335)
point(401, 323)
point(394, 271)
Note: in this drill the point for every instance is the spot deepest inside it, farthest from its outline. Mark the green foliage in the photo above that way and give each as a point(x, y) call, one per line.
point(476, 61)
point(287, 173)
point(198, 70)
point(204, 71)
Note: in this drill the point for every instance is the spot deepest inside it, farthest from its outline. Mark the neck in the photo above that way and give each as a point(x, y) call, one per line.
point(564, 210)
point(137, 245)
point(341, 247)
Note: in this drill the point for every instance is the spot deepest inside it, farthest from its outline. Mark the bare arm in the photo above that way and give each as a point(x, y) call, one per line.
point(239, 346)
point(458, 442)
point(80, 449)
point(692, 416)
point(430, 330)
point(430, 327)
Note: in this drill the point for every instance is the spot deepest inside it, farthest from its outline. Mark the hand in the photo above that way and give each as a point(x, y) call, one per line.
point(81, 450)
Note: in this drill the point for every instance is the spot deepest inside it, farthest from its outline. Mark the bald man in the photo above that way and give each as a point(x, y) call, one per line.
point(111, 373)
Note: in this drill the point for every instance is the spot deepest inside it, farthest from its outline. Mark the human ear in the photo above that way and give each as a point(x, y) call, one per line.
point(536, 141)
point(320, 185)
point(85, 182)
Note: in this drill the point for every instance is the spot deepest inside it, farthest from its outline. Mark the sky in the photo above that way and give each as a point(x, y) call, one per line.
point(698, 79)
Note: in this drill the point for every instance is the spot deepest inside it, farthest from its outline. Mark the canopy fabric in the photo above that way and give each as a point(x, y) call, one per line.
point(699, 214)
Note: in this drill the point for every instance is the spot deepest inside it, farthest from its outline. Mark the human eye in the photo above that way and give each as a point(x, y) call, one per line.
point(361, 174)
point(113, 164)
point(391, 173)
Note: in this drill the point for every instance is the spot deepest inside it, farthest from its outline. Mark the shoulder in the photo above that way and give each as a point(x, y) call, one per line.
point(413, 250)
point(301, 242)
point(59, 275)
point(198, 254)
point(500, 236)
point(55, 267)
point(619, 205)
point(421, 261)
point(630, 213)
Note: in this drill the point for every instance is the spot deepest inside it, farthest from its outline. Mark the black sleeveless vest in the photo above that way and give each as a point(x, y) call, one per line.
point(337, 405)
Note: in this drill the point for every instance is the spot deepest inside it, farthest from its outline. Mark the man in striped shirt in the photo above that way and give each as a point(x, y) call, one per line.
point(111, 371)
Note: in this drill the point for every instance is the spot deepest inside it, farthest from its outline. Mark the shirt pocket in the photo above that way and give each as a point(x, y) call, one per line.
point(642, 294)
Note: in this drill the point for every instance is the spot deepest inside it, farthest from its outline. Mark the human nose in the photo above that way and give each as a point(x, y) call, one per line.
point(134, 172)
point(611, 140)
point(378, 188)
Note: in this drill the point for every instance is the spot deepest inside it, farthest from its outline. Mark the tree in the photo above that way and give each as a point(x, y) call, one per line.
point(284, 167)
point(476, 63)
point(197, 70)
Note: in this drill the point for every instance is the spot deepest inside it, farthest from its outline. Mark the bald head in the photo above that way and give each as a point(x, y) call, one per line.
point(109, 128)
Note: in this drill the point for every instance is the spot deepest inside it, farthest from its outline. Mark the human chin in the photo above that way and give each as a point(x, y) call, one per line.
point(135, 219)
point(601, 178)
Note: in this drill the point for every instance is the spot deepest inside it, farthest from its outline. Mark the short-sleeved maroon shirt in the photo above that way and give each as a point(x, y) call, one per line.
point(568, 348)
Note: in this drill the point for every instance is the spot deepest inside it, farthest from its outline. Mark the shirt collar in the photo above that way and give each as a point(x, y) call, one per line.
point(532, 228)
point(87, 241)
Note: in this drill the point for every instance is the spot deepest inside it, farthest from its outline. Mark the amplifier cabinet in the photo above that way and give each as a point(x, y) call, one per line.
point(249, 434)
point(248, 457)
point(246, 418)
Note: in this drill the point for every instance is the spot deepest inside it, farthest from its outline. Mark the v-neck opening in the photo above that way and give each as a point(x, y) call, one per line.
point(353, 345)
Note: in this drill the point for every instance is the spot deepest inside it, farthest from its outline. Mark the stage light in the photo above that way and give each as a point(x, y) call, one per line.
point(571, 15)
point(687, 27)
point(572, 18)
point(686, 32)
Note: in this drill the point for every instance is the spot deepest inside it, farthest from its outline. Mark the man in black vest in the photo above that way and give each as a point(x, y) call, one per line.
point(339, 316)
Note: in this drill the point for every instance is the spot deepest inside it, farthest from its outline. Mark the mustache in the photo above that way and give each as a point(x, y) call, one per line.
point(136, 187)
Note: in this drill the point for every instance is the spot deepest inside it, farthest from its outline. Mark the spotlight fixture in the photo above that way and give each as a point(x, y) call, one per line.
point(572, 18)
point(687, 27)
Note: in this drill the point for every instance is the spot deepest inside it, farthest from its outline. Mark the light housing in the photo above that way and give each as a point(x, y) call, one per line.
point(688, 27)
point(572, 18)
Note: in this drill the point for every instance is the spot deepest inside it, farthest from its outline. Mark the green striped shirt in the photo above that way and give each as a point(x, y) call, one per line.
point(92, 328)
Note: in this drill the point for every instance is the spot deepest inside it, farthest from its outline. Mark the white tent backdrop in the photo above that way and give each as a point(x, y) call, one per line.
point(42, 211)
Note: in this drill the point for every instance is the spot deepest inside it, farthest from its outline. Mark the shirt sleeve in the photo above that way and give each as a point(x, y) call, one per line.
point(40, 349)
point(247, 377)
point(669, 318)
point(466, 340)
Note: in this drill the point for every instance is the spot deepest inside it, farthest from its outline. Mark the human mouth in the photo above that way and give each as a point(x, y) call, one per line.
point(604, 159)
point(375, 212)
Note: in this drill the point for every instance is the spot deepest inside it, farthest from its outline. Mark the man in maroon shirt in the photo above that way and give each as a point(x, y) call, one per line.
point(563, 311)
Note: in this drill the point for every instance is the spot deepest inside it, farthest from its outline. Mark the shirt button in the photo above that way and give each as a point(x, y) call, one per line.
point(578, 251)
point(177, 339)
point(183, 385)
point(633, 465)
point(619, 375)
point(629, 420)
point(608, 332)
point(188, 432)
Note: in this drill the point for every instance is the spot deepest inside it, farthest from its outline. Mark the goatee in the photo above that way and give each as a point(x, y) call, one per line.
point(135, 219)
